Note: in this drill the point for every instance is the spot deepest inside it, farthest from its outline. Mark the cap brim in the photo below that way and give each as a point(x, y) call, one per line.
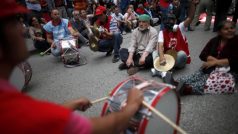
point(170, 62)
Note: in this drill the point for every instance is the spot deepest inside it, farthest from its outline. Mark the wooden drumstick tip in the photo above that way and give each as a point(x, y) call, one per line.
point(163, 117)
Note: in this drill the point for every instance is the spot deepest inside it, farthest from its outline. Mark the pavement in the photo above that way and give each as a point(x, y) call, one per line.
point(51, 81)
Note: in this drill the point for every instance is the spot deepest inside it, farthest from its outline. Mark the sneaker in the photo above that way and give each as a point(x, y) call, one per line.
point(132, 70)
point(109, 53)
point(115, 59)
point(122, 66)
point(153, 72)
point(168, 78)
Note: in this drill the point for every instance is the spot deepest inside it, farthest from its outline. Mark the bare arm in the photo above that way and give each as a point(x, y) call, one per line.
point(118, 121)
point(49, 38)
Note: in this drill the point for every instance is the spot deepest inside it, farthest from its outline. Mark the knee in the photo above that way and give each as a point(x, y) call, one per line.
point(181, 59)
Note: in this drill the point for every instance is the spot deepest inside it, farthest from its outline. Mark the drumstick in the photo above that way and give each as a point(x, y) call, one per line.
point(99, 100)
point(139, 86)
point(163, 117)
point(43, 53)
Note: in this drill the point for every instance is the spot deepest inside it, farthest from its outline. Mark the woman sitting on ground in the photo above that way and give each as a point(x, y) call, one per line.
point(38, 35)
point(220, 51)
point(130, 19)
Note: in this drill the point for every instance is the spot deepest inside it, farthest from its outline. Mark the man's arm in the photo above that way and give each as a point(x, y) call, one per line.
point(118, 121)
point(191, 12)
point(49, 38)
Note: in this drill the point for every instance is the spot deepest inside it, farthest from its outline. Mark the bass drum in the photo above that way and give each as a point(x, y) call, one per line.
point(160, 96)
point(21, 75)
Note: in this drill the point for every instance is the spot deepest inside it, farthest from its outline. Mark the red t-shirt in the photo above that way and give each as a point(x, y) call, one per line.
point(140, 11)
point(21, 114)
point(164, 3)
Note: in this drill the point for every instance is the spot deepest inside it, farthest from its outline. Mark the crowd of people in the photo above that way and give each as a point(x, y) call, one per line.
point(51, 21)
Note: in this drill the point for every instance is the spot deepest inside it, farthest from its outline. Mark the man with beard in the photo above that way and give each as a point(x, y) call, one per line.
point(139, 54)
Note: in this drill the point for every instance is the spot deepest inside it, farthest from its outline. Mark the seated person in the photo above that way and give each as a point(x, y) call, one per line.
point(139, 54)
point(148, 11)
point(58, 29)
point(173, 38)
point(175, 8)
point(22, 114)
point(130, 19)
point(120, 19)
point(220, 51)
point(38, 35)
point(110, 37)
point(140, 10)
point(79, 25)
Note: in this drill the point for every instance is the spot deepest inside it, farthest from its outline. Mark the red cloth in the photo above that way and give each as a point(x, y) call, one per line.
point(100, 10)
point(140, 11)
point(20, 114)
point(164, 3)
point(175, 40)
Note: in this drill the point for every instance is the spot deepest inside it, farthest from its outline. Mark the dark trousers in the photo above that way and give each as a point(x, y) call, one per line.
point(106, 45)
point(41, 45)
point(235, 16)
point(124, 54)
point(222, 7)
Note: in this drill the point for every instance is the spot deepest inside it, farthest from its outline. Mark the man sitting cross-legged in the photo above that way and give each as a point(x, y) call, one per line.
point(139, 54)
point(58, 29)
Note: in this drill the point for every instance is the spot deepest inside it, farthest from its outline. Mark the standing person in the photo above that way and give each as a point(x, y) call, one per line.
point(58, 29)
point(220, 51)
point(60, 5)
point(184, 9)
point(235, 16)
point(110, 37)
point(175, 8)
point(207, 6)
point(173, 38)
point(22, 114)
point(222, 8)
point(35, 8)
point(139, 54)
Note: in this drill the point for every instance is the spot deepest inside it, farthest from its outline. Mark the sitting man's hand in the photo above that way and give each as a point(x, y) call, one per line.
point(142, 60)
point(81, 104)
point(130, 62)
point(75, 34)
point(162, 60)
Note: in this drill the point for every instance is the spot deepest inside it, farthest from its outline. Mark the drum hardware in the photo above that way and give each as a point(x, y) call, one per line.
point(147, 116)
point(43, 53)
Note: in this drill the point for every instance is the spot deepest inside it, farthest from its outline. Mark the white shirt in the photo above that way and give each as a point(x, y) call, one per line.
point(175, 28)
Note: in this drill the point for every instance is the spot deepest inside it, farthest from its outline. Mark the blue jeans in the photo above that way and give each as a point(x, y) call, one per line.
point(181, 59)
point(106, 45)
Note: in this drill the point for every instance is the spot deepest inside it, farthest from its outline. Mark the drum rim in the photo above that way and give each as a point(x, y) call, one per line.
point(105, 106)
point(144, 122)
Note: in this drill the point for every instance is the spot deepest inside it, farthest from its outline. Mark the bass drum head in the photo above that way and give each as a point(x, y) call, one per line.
point(17, 78)
point(168, 103)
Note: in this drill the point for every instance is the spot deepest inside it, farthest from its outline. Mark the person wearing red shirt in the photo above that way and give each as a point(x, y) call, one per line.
point(140, 10)
point(110, 37)
point(173, 38)
point(21, 114)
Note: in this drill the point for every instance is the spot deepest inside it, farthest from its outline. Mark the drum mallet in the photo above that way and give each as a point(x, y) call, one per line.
point(43, 53)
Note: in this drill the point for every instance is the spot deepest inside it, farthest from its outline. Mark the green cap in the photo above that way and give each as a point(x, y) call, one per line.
point(144, 17)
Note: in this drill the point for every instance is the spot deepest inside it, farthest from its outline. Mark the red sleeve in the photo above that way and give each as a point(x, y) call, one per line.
point(69, 24)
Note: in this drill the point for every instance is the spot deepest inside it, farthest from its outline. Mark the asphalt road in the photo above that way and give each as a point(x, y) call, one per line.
point(207, 114)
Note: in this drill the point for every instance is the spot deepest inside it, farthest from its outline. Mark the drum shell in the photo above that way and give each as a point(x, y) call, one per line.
point(140, 123)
